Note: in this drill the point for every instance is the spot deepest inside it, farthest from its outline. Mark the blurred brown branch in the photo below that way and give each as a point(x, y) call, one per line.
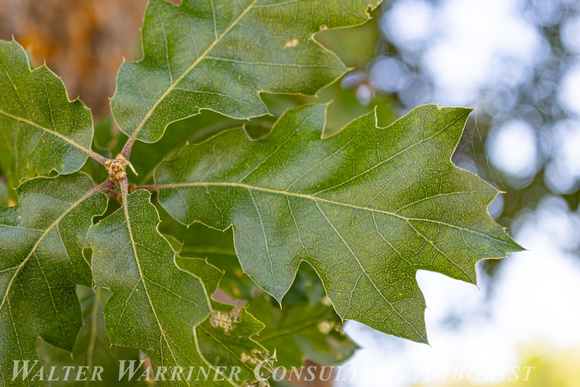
point(83, 41)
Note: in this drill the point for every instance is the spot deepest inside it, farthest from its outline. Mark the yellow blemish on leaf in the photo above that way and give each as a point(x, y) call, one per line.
point(291, 43)
point(226, 321)
point(254, 358)
point(325, 326)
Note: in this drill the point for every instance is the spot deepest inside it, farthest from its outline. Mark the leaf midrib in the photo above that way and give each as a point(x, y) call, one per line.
point(316, 199)
point(142, 279)
point(56, 134)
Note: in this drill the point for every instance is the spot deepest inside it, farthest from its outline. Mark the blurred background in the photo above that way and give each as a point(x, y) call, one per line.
point(518, 61)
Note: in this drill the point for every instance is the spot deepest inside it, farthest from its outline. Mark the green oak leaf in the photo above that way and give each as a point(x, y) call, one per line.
point(40, 129)
point(93, 350)
point(41, 262)
point(225, 338)
point(155, 305)
point(220, 54)
point(366, 208)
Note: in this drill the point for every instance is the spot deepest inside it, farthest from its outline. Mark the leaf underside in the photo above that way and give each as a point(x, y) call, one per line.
point(220, 54)
point(366, 208)
point(41, 262)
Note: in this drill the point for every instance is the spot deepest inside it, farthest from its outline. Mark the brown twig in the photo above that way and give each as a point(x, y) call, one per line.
point(105, 187)
point(100, 159)
point(126, 152)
